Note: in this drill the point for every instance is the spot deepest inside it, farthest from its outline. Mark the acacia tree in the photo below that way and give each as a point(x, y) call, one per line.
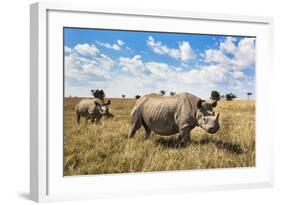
point(137, 96)
point(162, 92)
point(248, 94)
point(98, 94)
point(123, 96)
point(230, 96)
point(215, 95)
point(172, 93)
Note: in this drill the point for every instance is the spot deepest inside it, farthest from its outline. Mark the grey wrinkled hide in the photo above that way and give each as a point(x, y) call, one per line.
point(92, 109)
point(168, 115)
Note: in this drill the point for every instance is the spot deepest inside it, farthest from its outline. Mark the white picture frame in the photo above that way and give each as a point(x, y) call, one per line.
point(47, 182)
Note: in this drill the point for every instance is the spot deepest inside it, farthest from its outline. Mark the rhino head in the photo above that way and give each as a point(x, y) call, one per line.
point(103, 108)
point(206, 117)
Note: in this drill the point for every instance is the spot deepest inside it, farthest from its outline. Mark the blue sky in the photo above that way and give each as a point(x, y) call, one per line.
point(131, 63)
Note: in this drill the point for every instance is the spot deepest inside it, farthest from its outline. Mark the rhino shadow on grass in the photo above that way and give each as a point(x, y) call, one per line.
point(228, 146)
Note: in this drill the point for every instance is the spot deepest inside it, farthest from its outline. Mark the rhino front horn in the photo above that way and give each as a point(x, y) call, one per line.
point(217, 117)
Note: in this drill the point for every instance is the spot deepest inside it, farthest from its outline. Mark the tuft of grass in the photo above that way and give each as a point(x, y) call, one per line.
point(104, 148)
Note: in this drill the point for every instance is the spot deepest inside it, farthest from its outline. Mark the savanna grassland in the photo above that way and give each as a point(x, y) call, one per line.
point(105, 148)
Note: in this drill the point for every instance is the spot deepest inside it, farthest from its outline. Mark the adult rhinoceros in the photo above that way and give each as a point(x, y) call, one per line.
point(173, 114)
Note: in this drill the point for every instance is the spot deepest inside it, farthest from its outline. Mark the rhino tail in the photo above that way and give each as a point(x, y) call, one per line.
point(76, 109)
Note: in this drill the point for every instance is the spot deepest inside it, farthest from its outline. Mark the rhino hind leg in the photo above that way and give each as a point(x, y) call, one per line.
point(135, 126)
point(184, 137)
point(136, 123)
point(78, 116)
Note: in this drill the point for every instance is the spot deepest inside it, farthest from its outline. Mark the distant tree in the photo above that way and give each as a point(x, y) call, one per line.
point(162, 92)
point(230, 96)
point(248, 94)
point(98, 94)
point(123, 96)
point(215, 95)
point(222, 96)
point(172, 93)
point(137, 96)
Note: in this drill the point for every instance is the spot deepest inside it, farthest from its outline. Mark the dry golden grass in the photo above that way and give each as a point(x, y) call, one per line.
point(105, 148)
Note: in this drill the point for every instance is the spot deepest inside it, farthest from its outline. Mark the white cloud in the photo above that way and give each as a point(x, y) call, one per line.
point(242, 55)
point(67, 49)
point(159, 70)
point(133, 65)
point(245, 54)
point(238, 74)
point(120, 43)
point(111, 46)
point(155, 70)
point(206, 75)
point(85, 62)
point(184, 52)
point(207, 78)
point(216, 56)
point(115, 46)
point(86, 49)
point(228, 45)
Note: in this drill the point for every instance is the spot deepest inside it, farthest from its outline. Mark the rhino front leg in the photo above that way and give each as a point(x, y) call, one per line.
point(98, 118)
point(184, 137)
point(86, 120)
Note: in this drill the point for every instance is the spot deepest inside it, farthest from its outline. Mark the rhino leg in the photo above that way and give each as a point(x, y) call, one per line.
point(147, 131)
point(87, 118)
point(136, 124)
point(184, 137)
point(78, 116)
point(98, 118)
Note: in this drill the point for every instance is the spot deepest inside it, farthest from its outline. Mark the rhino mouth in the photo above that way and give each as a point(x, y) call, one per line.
point(213, 130)
point(109, 115)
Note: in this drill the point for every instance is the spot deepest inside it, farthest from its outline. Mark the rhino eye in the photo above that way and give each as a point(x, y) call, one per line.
point(204, 119)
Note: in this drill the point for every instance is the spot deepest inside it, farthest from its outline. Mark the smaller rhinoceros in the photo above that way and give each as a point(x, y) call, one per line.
point(92, 109)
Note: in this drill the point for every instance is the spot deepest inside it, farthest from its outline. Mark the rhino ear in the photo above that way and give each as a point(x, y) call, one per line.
point(214, 103)
point(199, 104)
